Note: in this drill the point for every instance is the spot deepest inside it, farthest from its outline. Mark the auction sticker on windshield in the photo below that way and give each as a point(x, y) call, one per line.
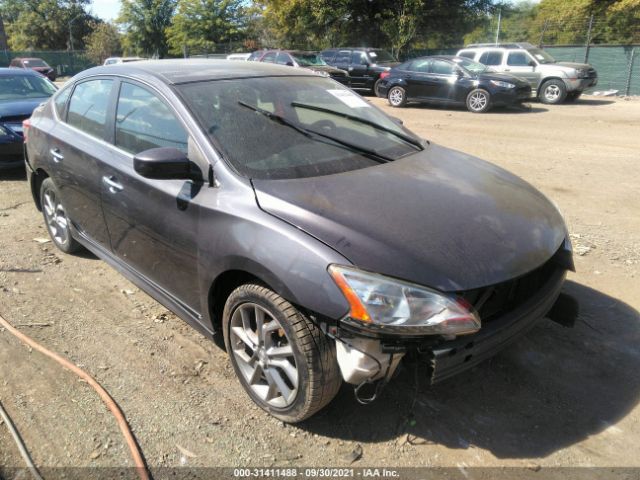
point(349, 98)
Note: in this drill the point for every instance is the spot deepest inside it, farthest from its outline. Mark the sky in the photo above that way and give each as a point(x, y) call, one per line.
point(105, 9)
point(108, 9)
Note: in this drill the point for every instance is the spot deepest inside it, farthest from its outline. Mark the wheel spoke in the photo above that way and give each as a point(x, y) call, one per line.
point(241, 334)
point(289, 370)
point(246, 325)
point(259, 314)
point(274, 378)
point(280, 352)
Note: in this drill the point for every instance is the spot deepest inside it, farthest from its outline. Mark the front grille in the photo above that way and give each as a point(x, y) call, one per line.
point(497, 300)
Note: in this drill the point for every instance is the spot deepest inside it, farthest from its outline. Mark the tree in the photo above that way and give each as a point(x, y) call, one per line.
point(46, 24)
point(203, 24)
point(102, 43)
point(146, 23)
point(402, 24)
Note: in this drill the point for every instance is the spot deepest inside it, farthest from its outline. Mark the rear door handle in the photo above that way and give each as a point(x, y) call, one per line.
point(112, 184)
point(57, 156)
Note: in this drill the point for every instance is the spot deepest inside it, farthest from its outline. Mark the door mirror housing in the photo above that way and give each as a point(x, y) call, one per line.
point(532, 63)
point(164, 164)
point(289, 64)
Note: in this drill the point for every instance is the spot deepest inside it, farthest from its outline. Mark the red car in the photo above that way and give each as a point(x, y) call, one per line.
point(36, 64)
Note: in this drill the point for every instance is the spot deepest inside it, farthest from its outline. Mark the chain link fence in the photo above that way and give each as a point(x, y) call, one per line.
point(66, 63)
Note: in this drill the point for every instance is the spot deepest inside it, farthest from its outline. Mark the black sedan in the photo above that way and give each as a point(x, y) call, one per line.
point(20, 92)
point(451, 81)
point(280, 210)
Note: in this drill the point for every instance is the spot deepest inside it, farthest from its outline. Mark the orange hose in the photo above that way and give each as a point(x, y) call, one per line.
point(138, 460)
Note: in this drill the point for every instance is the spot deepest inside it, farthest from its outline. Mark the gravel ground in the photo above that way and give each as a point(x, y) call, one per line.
point(559, 397)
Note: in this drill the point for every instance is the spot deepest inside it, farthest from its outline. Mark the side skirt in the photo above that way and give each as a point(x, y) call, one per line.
point(159, 294)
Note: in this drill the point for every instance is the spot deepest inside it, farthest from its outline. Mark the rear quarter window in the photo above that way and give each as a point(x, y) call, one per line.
point(491, 58)
point(88, 106)
point(60, 102)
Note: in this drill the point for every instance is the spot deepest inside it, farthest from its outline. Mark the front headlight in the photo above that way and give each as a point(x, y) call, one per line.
point(392, 306)
point(498, 83)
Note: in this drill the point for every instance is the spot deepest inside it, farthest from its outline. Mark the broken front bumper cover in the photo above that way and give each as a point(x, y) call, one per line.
point(453, 357)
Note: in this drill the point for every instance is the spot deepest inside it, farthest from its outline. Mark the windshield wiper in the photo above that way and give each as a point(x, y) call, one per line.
point(311, 134)
point(416, 143)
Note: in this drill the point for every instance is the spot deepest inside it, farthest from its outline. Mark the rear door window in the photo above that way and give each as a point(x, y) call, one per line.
point(492, 57)
point(143, 121)
point(518, 59)
point(284, 59)
point(88, 106)
point(440, 67)
point(359, 58)
point(269, 57)
point(343, 56)
point(420, 66)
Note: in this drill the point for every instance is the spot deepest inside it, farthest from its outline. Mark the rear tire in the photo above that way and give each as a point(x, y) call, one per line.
point(397, 97)
point(376, 92)
point(55, 217)
point(478, 101)
point(553, 92)
point(287, 366)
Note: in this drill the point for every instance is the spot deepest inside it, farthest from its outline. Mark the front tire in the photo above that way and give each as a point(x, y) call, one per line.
point(397, 97)
point(478, 101)
point(283, 361)
point(55, 217)
point(553, 92)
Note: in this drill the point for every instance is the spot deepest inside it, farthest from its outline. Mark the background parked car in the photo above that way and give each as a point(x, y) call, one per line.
point(238, 56)
point(451, 81)
point(303, 59)
point(117, 60)
point(364, 65)
point(20, 92)
point(36, 64)
point(551, 81)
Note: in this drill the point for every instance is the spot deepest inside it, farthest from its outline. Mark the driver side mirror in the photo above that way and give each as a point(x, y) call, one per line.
point(532, 64)
point(165, 163)
point(289, 64)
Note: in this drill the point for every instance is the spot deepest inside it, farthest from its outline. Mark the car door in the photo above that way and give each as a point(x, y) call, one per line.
point(418, 79)
point(522, 66)
point(343, 62)
point(153, 224)
point(446, 81)
point(359, 69)
point(77, 146)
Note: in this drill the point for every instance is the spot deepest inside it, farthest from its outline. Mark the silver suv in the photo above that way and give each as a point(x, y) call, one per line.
point(551, 81)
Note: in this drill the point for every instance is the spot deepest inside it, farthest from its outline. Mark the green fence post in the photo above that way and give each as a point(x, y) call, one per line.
point(628, 87)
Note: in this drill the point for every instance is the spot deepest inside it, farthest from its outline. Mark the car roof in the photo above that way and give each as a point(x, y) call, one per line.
point(18, 72)
point(521, 45)
point(367, 49)
point(27, 58)
point(195, 70)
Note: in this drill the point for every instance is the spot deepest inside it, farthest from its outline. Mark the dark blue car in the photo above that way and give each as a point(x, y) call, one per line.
point(21, 91)
point(451, 80)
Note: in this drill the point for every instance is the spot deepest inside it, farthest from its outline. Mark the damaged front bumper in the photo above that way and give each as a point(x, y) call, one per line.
point(364, 357)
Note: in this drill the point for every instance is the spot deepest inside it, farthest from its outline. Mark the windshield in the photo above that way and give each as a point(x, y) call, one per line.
point(541, 56)
point(308, 59)
point(470, 65)
point(273, 127)
point(381, 56)
point(14, 87)
point(35, 62)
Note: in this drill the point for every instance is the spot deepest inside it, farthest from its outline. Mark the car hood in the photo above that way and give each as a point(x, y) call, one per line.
point(502, 77)
point(324, 68)
point(439, 218)
point(564, 66)
point(19, 108)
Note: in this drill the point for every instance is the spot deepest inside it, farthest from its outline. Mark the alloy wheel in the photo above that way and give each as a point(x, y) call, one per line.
point(264, 355)
point(396, 96)
point(552, 93)
point(56, 218)
point(478, 101)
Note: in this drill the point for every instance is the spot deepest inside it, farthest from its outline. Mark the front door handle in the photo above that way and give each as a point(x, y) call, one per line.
point(112, 184)
point(57, 156)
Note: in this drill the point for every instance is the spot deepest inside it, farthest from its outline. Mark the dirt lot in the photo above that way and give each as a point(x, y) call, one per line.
point(559, 397)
